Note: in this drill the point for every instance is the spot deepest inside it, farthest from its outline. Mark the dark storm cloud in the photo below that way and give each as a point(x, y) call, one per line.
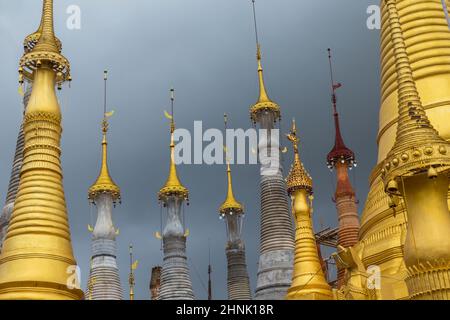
point(205, 49)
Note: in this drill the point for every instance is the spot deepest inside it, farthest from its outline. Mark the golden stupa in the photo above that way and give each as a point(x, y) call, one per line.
point(37, 261)
point(308, 279)
point(378, 260)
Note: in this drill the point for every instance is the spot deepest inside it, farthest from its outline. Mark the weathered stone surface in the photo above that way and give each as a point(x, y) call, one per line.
point(175, 279)
point(238, 283)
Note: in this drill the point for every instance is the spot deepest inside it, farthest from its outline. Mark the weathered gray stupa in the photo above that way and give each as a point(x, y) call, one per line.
point(175, 279)
point(277, 228)
point(232, 211)
point(155, 283)
point(104, 281)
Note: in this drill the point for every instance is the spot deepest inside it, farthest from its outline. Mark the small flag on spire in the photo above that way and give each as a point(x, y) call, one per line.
point(337, 86)
point(109, 114)
point(168, 115)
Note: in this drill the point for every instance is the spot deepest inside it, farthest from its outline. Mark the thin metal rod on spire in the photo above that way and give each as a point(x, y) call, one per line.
point(131, 256)
point(225, 123)
point(105, 79)
point(333, 85)
point(331, 68)
point(256, 25)
point(172, 99)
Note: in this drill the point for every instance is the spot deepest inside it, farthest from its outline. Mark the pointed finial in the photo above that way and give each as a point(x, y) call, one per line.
point(104, 182)
point(230, 204)
point(292, 136)
point(45, 51)
point(418, 146)
point(31, 40)
point(173, 186)
point(264, 104)
point(340, 152)
point(47, 42)
point(298, 177)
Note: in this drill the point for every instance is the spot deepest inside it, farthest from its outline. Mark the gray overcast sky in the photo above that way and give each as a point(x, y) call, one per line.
point(206, 50)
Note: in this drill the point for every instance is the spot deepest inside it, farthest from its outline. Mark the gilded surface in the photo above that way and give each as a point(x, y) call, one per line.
point(37, 253)
point(264, 104)
point(298, 177)
point(173, 186)
point(308, 279)
point(104, 182)
point(230, 203)
point(425, 32)
point(383, 230)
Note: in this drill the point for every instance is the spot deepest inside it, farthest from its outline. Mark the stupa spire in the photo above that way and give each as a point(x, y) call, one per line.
point(277, 233)
point(43, 47)
point(104, 182)
point(38, 236)
point(232, 211)
point(308, 279)
point(175, 278)
point(342, 159)
point(47, 41)
point(417, 169)
point(104, 193)
point(173, 185)
point(31, 40)
point(340, 152)
point(264, 103)
point(230, 202)
point(298, 177)
point(414, 128)
point(13, 186)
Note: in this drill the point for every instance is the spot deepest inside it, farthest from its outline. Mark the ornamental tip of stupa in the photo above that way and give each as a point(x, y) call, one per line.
point(264, 104)
point(298, 178)
point(32, 39)
point(43, 48)
point(230, 205)
point(340, 152)
point(104, 182)
point(173, 186)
